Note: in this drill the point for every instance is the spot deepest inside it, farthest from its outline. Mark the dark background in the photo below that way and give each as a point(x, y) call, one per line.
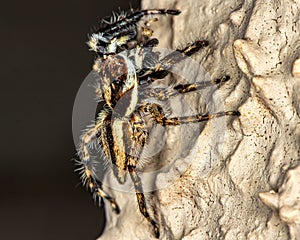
point(44, 59)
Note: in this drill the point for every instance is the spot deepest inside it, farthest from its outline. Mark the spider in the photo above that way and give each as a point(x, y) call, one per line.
point(124, 62)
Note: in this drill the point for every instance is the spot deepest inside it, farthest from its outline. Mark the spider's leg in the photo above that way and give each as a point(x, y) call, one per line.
point(134, 18)
point(87, 168)
point(181, 54)
point(159, 117)
point(185, 88)
point(140, 194)
point(163, 66)
point(163, 94)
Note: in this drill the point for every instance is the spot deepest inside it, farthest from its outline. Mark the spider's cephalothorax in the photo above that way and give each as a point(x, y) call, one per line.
point(120, 128)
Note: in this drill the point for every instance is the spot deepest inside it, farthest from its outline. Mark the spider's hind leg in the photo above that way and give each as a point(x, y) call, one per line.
point(140, 194)
point(86, 163)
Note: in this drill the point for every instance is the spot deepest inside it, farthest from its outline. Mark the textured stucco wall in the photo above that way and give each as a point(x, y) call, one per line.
point(220, 188)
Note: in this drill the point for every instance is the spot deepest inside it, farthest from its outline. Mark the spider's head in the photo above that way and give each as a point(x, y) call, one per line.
point(106, 44)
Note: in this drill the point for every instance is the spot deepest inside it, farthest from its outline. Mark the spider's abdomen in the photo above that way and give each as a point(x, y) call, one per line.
point(129, 137)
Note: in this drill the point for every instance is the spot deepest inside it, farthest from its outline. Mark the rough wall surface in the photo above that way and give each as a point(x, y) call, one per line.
point(222, 187)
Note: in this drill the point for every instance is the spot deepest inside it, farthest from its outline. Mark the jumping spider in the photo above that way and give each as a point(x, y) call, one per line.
point(120, 129)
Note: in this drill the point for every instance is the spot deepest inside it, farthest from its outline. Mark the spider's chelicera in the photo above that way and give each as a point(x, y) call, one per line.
point(125, 62)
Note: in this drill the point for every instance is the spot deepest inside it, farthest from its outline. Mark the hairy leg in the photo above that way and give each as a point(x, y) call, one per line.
point(135, 17)
point(159, 117)
point(162, 67)
point(164, 94)
point(140, 195)
point(86, 164)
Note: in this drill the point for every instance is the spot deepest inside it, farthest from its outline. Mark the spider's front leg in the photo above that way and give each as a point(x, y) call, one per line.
point(162, 67)
point(132, 162)
point(116, 27)
point(157, 113)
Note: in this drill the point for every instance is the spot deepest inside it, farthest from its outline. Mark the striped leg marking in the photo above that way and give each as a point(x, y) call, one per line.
point(157, 112)
point(163, 94)
point(185, 88)
point(86, 169)
point(98, 192)
point(140, 195)
point(162, 68)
